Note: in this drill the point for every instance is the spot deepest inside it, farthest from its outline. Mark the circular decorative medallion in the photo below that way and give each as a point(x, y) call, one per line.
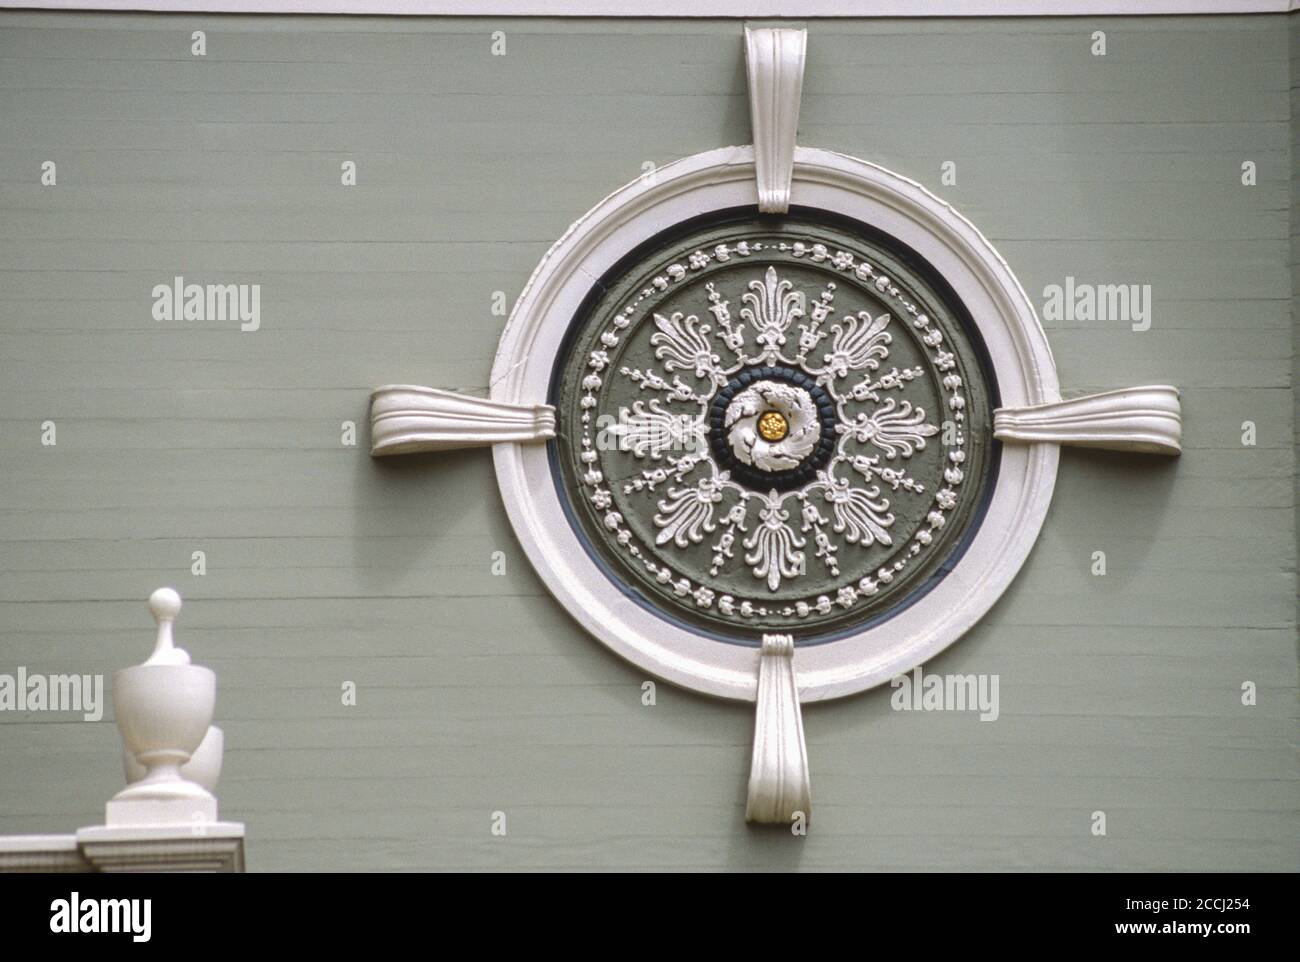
point(771, 424)
point(774, 425)
point(775, 430)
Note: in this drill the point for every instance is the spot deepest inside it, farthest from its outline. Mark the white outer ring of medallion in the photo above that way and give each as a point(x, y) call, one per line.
point(718, 180)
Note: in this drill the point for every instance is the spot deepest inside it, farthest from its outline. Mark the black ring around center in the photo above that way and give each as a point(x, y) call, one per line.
point(750, 476)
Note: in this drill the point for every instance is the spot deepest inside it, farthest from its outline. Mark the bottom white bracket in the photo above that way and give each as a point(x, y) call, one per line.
point(778, 776)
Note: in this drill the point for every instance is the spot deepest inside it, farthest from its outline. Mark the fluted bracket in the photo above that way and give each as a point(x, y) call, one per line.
point(1146, 419)
point(774, 62)
point(406, 418)
point(778, 775)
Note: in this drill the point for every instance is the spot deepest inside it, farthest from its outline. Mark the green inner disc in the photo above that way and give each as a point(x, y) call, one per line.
point(771, 424)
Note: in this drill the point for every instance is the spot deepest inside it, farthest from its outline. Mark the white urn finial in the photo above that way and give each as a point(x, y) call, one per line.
point(164, 708)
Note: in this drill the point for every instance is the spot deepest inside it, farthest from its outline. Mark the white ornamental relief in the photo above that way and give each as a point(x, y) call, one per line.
point(894, 428)
point(680, 344)
point(647, 429)
point(773, 425)
point(783, 447)
point(687, 515)
point(860, 513)
point(860, 343)
point(774, 545)
point(771, 306)
point(884, 484)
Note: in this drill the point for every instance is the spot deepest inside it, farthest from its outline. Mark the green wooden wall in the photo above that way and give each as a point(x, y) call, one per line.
point(476, 693)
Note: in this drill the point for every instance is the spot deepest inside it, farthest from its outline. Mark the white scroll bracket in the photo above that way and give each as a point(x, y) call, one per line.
point(774, 63)
point(407, 418)
point(1146, 419)
point(779, 786)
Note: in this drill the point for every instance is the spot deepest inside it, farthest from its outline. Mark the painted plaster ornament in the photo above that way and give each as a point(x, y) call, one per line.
point(777, 425)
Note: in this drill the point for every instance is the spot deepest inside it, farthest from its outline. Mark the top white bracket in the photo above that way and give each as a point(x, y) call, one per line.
point(774, 62)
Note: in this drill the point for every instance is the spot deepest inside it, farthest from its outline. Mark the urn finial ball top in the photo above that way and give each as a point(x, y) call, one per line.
point(165, 604)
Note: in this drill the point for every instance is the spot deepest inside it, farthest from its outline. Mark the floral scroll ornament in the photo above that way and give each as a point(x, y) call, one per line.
point(798, 385)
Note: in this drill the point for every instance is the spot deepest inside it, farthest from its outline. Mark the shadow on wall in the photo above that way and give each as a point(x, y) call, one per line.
point(1138, 500)
point(406, 507)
